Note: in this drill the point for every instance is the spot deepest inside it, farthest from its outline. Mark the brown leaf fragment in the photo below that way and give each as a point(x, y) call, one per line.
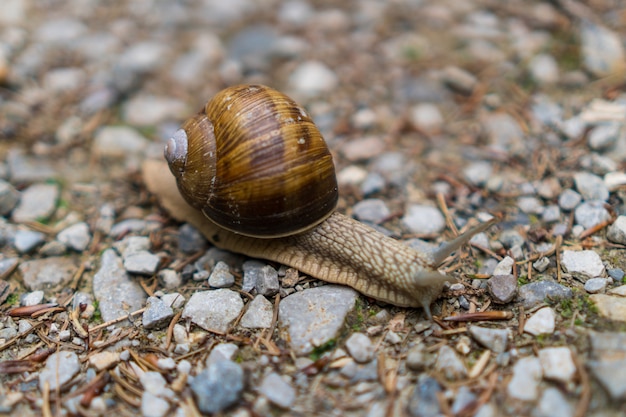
point(16, 366)
point(96, 386)
point(481, 316)
point(28, 311)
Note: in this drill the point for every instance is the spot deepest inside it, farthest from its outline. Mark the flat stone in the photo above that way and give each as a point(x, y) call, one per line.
point(219, 386)
point(591, 213)
point(213, 310)
point(536, 293)
point(117, 293)
point(26, 169)
point(222, 352)
point(315, 316)
point(118, 142)
point(153, 406)
point(527, 375)
point(610, 374)
point(423, 220)
point(157, 313)
point(76, 236)
point(360, 347)
point(259, 314)
point(503, 288)
point(541, 322)
point(60, 368)
point(25, 241)
point(617, 231)
point(553, 403)
point(277, 390)
point(611, 307)
point(424, 400)
point(591, 187)
point(143, 263)
point(9, 197)
point(221, 277)
point(505, 266)
point(104, 360)
point(32, 298)
point(596, 285)
point(372, 210)
point(45, 273)
point(37, 202)
point(583, 264)
point(450, 364)
point(267, 281)
point(493, 339)
point(557, 364)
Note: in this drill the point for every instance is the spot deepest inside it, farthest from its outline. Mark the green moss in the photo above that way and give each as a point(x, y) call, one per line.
point(97, 315)
point(13, 299)
point(320, 350)
point(522, 280)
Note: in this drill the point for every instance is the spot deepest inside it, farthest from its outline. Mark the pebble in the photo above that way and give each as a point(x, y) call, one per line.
point(602, 50)
point(591, 187)
point(373, 183)
point(151, 110)
point(557, 364)
point(25, 241)
point(493, 339)
point(423, 220)
point(504, 133)
point(542, 321)
point(32, 298)
point(36, 203)
point(544, 69)
point(459, 79)
point(312, 78)
point(351, 175)
point(170, 278)
point(610, 374)
point(315, 316)
point(259, 314)
point(222, 352)
point(426, 117)
point(569, 199)
point(616, 232)
point(221, 277)
point(424, 400)
point(616, 273)
point(45, 273)
point(613, 308)
point(190, 240)
point(104, 360)
point(142, 262)
point(76, 237)
point(267, 283)
point(583, 264)
point(464, 398)
point(524, 385)
point(541, 264)
point(118, 142)
point(363, 148)
point(26, 169)
point(277, 390)
point(174, 300)
point(553, 403)
point(213, 310)
point(116, 292)
point(504, 267)
point(60, 368)
point(251, 271)
point(360, 347)
point(157, 313)
point(153, 406)
point(478, 173)
point(503, 288)
point(603, 136)
point(615, 180)
point(596, 285)
point(450, 364)
point(591, 213)
point(418, 358)
point(9, 197)
point(219, 386)
point(128, 226)
point(372, 210)
point(551, 214)
point(530, 205)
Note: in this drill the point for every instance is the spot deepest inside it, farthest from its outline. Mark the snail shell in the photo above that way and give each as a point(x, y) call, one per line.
point(254, 163)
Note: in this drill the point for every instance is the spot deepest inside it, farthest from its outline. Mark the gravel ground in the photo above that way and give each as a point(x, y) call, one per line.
point(437, 113)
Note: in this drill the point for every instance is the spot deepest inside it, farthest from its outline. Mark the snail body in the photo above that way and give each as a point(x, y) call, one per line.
point(256, 127)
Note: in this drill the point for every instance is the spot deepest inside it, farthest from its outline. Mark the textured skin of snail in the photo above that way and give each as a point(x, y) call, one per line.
point(254, 163)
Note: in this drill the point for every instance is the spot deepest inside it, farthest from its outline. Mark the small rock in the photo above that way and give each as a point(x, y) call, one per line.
point(544, 69)
point(530, 205)
point(503, 288)
point(277, 390)
point(60, 368)
point(157, 313)
point(222, 352)
point(221, 277)
point(478, 173)
point(351, 175)
point(426, 117)
point(267, 281)
point(541, 264)
point(372, 210)
point(542, 321)
point(76, 237)
point(219, 386)
point(557, 364)
point(190, 240)
point(259, 314)
point(26, 169)
point(603, 136)
point(591, 187)
point(424, 401)
point(602, 50)
point(591, 213)
point(617, 231)
point(459, 79)
point(9, 198)
point(423, 220)
point(32, 298)
point(170, 278)
point(363, 148)
point(504, 133)
point(553, 403)
point(104, 360)
point(527, 375)
point(314, 316)
point(463, 399)
point(360, 347)
point(153, 406)
point(142, 262)
point(616, 273)
point(25, 241)
point(37, 202)
point(251, 271)
point(150, 110)
point(615, 180)
point(118, 142)
point(613, 308)
point(41, 274)
point(504, 267)
point(610, 373)
point(595, 285)
point(213, 310)
point(174, 300)
point(582, 264)
point(312, 78)
point(449, 363)
point(569, 199)
point(494, 339)
point(373, 183)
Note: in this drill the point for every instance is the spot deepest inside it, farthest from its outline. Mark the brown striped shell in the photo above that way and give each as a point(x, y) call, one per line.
point(255, 163)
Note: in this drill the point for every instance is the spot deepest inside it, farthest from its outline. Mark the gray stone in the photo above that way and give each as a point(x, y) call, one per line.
point(557, 364)
point(360, 347)
point(259, 314)
point(174, 300)
point(527, 375)
point(221, 277)
point(553, 403)
point(541, 264)
point(478, 173)
point(542, 321)
point(26, 169)
point(569, 199)
point(459, 79)
point(591, 213)
point(591, 187)
point(536, 293)
point(170, 279)
point(314, 316)
point(615, 180)
point(222, 352)
point(60, 368)
point(424, 401)
point(251, 272)
point(52, 248)
point(131, 245)
point(493, 339)
point(504, 267)
point(610, 374)
point(551, 214)
point(153, 406)
point(604, 136)
point(116, 292)
point(267, 281)
point(312, 78)
point(450, 364)
point(41, 274)
point(157, 313)
point(277, 390)
point(26, 241)
point(151, 110)
point(530, 205)
point(616, 273)
point(372, 210)
point(32, 298)
point(118, 142)
point(76, 237)
point(364, 148)
point(423, 220)
point(504, 133)
point(583, 264)
point(596, 285)
point(213, 310)
point(602, 50)
point(464, 398)
point(190, 240)
point(128, 226)
point(142, 262)
point(503, 288)
point(418, 358)
point(218, 387)
point(37, 202)
point(544, 69)
point(617, 231)
point(9, 198)
point(427, 117)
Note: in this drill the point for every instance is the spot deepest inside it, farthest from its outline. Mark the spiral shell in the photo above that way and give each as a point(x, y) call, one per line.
point(254, 163)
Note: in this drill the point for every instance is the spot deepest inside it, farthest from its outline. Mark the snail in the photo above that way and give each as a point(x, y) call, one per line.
point(252, 172)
